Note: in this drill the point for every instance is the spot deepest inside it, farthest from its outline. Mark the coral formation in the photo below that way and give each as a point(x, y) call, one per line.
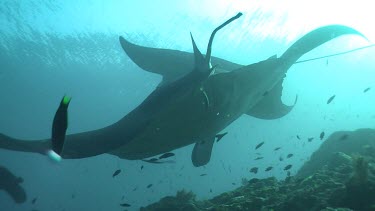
point(339, 177)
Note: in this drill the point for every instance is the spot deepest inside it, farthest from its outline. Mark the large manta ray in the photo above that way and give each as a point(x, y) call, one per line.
point(199, 96)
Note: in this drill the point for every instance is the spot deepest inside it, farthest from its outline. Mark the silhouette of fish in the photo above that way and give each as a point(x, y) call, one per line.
point(321, 135)
point(259, 145)
point(166, 155)
point(254, 170)
point(330, 99)
point(269, 168)
point(117, 172)
point(287, 167)
point(125, 205)
point(258, 158)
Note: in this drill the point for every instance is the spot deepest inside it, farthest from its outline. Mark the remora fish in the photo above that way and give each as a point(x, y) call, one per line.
point(199, 96)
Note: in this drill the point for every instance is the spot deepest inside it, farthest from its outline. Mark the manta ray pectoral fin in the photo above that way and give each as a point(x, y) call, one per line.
point(59, 127)
point(198, 57)
point(271, 106)
point(202, 152)
point(171, 64)
point(314, 39)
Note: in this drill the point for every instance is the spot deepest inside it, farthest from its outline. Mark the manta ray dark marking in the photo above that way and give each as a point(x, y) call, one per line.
point(194, 102)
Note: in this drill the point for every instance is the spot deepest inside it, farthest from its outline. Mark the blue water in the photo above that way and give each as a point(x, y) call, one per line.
point(48, 49)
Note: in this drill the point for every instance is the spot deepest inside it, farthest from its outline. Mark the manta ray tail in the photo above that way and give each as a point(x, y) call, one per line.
point(316, 38)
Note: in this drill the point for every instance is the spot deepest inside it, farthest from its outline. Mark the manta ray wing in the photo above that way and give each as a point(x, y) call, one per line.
point(171, 64)
point(271, 107)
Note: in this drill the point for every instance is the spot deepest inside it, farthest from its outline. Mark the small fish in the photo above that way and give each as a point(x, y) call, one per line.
point(366, 90)
point(125, 205)
point(254, 170)
point(265, 93)
point(310, 139)
point(289, 155)
point(281, 158)
point(258, 158)
point(141, 167)
point(210, 190)
point(166, 155)
point(134, 189)
point(330, 99)
point(155, 160)
point(298, 137)
point(220, 136)
point(152, 160)
point(269, 168)
point(34, 200)
point(287, 167)
point(149, 186)
point(259, 145)
point(117, 172)
point(277, 148)
point(233, 183)
point(343, 137)
point(203, 175)
point(321, 135)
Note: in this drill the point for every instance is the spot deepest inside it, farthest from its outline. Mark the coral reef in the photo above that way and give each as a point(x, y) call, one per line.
point(339, 176)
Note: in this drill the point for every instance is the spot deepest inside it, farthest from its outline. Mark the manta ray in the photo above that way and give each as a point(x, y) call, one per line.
point(199, 96)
